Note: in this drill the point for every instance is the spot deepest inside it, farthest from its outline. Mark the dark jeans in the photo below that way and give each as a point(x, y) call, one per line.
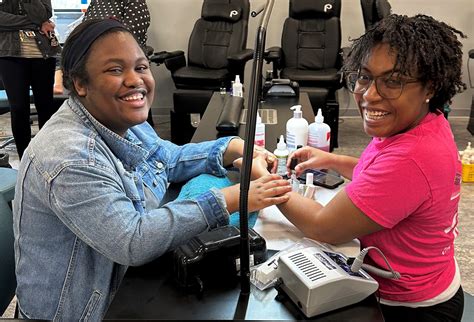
point(450, 310)
point(18, 74)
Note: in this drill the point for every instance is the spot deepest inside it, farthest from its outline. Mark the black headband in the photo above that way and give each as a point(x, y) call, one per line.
point(82, 43)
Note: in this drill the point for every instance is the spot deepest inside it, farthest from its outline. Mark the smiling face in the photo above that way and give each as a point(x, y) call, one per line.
point(387, 117)
point(120, 87)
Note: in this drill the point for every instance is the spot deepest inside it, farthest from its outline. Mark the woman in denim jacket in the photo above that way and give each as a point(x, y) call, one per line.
point(28, 49)
point(89, 188)
point(134, 14)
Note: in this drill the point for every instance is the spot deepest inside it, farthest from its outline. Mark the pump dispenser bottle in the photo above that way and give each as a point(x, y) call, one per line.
point(296, 129)
point(281, 153)
point(237, 87)
point(319, 133)
point(260, 132)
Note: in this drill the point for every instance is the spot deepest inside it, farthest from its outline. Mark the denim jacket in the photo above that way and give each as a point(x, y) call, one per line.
point(86, 207)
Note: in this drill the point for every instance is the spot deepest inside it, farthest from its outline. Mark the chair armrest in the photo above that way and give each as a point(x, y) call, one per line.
point(159, 57)
point(237, 62)
point(241, 57)
point(273, 55)
point(173, 60)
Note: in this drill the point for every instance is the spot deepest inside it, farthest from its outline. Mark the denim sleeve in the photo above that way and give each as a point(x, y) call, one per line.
point(214, 207)
point(100, 208)
point(192, 159)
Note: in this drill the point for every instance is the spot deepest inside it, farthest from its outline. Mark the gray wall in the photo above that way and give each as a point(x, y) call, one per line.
point(173, 20)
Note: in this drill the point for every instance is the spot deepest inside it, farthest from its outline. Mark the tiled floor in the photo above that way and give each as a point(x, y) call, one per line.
point(352, 140)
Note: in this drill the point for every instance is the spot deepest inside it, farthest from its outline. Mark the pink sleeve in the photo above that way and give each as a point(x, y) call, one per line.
point(389, 189)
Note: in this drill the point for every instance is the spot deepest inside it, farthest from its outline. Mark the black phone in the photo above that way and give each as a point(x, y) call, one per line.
point(323, 178)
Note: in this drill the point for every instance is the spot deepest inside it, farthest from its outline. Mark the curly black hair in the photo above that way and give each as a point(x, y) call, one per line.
point(424, 48)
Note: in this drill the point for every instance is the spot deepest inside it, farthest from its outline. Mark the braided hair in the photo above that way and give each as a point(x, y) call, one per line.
point(424, 48)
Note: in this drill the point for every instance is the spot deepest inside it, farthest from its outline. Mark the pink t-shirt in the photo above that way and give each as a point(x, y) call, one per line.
point(410, 184)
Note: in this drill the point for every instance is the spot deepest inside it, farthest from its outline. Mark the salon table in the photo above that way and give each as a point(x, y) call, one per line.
point(150, 291)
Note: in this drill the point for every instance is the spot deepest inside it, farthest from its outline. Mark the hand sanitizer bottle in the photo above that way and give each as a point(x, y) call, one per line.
point(296, 129)
point(281, 153)
point(319, 133)
point(237, 87)
point(260, 132)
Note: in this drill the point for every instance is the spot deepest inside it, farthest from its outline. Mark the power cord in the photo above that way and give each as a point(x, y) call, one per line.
point(358, 262)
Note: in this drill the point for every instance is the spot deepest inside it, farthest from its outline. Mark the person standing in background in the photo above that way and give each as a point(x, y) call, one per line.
point(28, 48)
point(133, 14)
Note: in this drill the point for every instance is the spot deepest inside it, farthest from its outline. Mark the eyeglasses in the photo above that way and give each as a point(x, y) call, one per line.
point(388, 86)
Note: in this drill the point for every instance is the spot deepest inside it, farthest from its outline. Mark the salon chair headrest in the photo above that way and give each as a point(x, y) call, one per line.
point(306, 9)
point(221, 11)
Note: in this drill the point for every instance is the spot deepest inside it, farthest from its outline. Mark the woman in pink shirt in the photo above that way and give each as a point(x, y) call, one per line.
point(405, 187)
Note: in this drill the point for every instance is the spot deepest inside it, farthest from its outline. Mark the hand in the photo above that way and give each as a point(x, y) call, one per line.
point(259, 166)
point(309, 158)
point(47, 27)
point(235, 150)
point(269, 157)
point(268, 190)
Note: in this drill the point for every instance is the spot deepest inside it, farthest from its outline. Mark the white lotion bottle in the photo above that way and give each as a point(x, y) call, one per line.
point(319, 133)
point(296, 129)
point(281, 153)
